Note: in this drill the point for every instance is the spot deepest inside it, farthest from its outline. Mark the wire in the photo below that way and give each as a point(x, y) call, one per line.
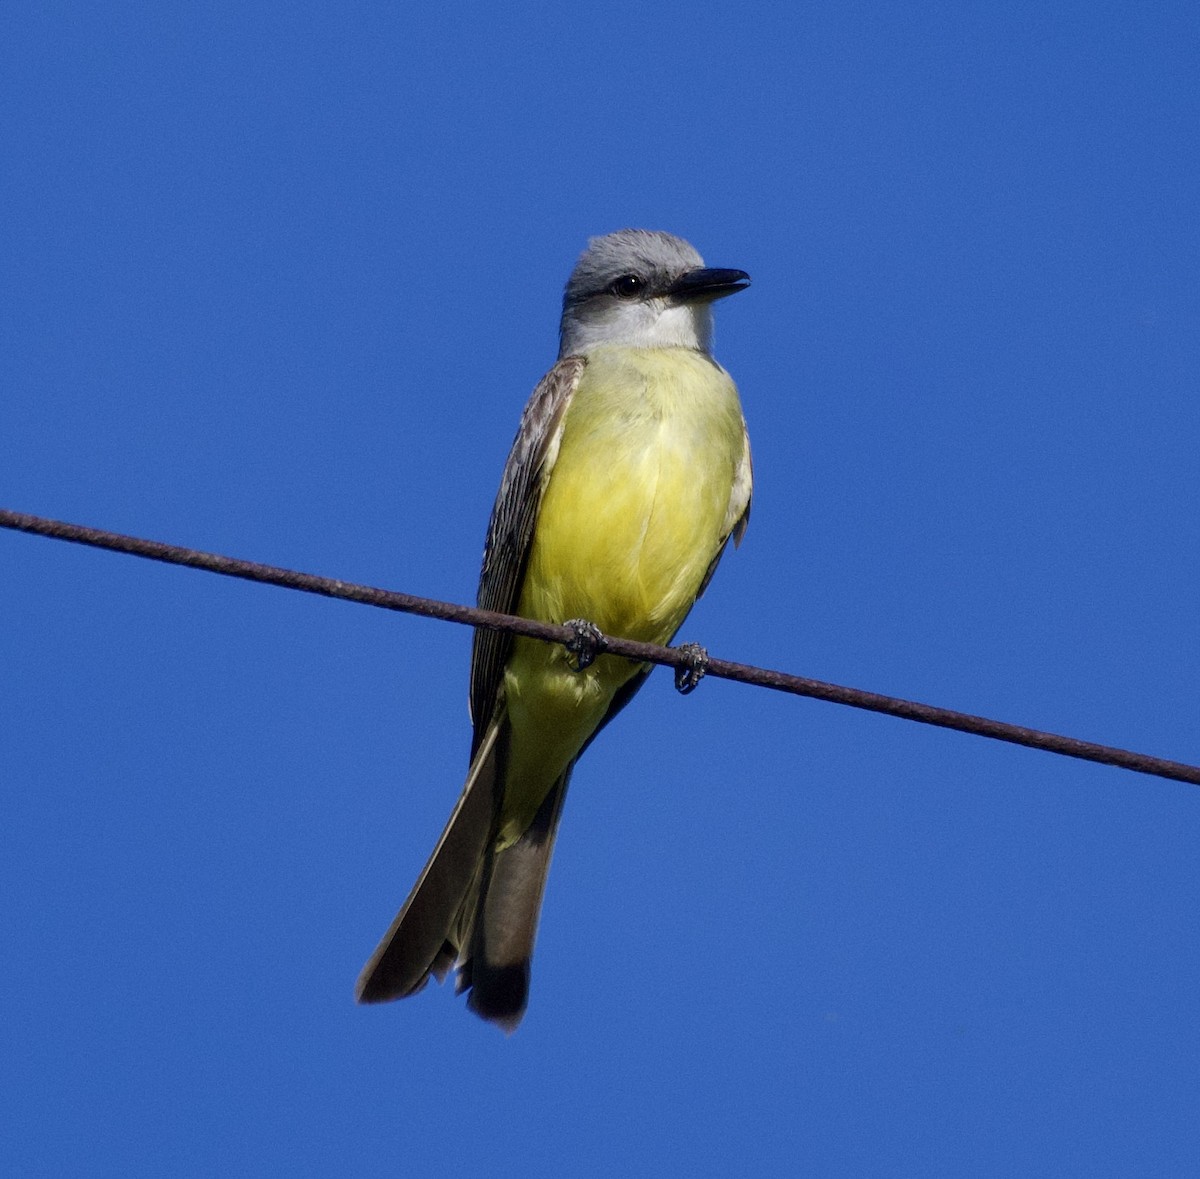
point(687, 660)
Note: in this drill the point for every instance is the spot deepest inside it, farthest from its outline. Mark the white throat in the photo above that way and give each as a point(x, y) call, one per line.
point(655, 323)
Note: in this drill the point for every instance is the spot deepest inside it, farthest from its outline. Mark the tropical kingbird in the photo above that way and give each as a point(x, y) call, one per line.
point(629, 473)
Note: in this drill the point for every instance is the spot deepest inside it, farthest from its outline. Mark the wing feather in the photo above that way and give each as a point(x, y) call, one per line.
point(510, 530)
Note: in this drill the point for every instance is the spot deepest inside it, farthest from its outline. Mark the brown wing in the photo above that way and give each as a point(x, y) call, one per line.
point(510, 531)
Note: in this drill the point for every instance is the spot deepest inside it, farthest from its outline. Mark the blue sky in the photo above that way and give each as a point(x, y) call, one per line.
point(277, 282)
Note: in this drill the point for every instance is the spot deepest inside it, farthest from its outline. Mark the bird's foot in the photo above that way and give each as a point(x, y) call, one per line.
point(586, 644)
point(689, 674)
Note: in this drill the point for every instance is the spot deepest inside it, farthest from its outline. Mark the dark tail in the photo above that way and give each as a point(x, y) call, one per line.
point(421, 941)
point(504, 927)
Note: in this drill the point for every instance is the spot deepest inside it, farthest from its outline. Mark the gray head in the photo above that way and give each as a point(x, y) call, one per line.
point(643, 289)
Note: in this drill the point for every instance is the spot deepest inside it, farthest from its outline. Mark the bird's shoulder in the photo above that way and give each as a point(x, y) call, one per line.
point(510, 529)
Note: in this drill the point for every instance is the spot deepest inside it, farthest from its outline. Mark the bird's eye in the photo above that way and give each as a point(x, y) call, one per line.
point(628, 286)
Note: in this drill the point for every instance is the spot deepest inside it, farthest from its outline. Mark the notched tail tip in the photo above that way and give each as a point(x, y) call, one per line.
point(500, 994)
point(385, 977)
point(373, 989)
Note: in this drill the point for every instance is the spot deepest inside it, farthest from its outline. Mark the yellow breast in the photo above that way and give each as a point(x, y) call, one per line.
point(635, 510)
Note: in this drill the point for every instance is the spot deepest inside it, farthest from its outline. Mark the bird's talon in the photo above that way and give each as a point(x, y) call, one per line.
point(689, 674)
point(586, 644)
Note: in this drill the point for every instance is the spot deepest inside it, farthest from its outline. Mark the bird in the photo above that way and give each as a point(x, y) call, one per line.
point(629, 474)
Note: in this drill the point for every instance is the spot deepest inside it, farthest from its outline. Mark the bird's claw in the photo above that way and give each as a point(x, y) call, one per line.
point(586, 643)
point(689, 674)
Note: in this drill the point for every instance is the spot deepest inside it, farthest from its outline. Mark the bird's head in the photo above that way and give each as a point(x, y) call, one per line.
point(643, 289)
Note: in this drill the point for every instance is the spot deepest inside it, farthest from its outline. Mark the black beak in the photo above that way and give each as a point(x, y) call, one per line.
point(707, 284)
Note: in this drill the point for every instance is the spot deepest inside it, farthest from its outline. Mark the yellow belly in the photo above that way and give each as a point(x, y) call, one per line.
point(630, 520)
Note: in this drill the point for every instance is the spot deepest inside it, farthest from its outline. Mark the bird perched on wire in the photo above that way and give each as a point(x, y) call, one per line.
point(628, 475)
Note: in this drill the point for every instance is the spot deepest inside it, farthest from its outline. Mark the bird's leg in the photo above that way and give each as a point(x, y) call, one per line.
point(586, 644)
point(689, 674)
